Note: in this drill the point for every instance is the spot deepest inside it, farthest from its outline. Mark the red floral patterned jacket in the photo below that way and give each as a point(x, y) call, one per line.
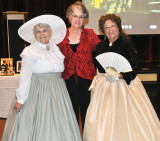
point(80, 62)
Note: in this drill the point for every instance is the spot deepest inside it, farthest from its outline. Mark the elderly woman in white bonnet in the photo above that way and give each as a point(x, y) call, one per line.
point(42, 110)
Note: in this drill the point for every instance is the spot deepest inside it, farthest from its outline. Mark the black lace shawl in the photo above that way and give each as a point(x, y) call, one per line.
point(123, 47)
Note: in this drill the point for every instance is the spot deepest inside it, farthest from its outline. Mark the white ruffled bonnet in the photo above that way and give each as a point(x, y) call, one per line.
point(57, 25)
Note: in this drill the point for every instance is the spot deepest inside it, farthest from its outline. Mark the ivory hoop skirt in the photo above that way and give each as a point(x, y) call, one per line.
point(120, 112)
point(47, 114)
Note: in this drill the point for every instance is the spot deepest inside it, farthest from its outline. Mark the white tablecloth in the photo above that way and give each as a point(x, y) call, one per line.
point(8, 86)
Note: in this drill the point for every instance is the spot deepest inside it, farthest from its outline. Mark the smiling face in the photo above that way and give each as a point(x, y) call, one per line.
point(111, 30)
point(42, 34)
point(76, 18)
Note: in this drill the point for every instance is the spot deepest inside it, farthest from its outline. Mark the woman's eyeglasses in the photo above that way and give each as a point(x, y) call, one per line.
point(76, 17)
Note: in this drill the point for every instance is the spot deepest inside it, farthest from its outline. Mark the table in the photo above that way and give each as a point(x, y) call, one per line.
point(147, 77)
point(8, 86)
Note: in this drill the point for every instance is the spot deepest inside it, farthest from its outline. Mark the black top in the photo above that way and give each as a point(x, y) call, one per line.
point(74, 47)
point(123, 47)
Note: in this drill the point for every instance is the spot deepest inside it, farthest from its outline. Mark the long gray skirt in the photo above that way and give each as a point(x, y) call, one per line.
point(47, 114)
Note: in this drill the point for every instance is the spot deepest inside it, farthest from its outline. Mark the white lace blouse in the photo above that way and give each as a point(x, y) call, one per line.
point(37, 59)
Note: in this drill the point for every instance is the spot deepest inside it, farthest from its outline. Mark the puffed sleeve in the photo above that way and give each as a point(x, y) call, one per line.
point(132, 57)
point(25, 76)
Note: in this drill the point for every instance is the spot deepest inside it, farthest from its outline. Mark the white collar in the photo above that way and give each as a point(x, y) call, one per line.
point(41, 45)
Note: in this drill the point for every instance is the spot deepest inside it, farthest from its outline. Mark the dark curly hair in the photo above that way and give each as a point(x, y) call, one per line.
point(113, 18)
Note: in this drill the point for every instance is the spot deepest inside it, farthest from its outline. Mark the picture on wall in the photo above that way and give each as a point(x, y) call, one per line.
point(18, 67)
point(7, 66)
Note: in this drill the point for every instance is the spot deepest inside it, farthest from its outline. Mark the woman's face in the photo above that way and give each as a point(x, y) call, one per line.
point(76, 18)
point(42, 34)
point(111, 30)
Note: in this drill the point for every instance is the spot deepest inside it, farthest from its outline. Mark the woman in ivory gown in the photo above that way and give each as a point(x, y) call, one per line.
point(120, 109)
point(42, 110)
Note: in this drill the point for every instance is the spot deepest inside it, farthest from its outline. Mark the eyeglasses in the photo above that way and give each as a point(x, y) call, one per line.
point(76, 17)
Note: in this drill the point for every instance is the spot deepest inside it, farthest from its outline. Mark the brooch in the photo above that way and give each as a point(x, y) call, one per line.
point(47, 47)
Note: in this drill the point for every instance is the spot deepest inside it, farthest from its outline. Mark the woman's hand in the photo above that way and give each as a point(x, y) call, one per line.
point(120, 76)
point(112, 77)
point(18, 106)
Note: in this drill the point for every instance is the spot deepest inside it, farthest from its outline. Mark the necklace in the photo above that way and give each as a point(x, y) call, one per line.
point(113, 40)
point(110, 44)
point(47, 47)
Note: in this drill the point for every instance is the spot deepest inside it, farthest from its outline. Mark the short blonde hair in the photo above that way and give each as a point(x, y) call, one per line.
point(80, 7)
